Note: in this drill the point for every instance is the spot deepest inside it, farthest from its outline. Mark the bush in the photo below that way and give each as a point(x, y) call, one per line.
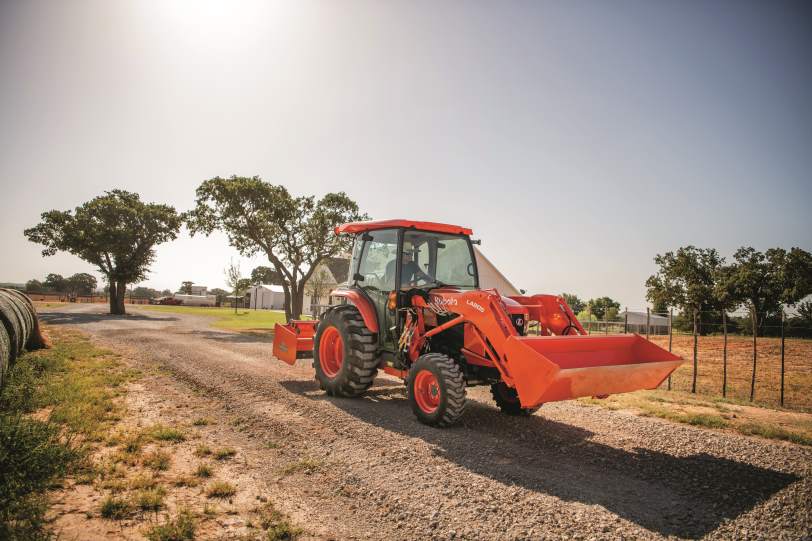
point(220, 489)
point(114, 508)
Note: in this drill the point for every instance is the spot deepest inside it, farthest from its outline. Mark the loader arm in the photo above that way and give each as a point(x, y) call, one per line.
point(553, 367)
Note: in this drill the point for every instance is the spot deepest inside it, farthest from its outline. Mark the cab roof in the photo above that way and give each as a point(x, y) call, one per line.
point(360, 227)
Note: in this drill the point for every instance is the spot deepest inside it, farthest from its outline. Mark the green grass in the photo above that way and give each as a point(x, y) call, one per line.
point(72, 386)
point(180, 528)
point(225, 318)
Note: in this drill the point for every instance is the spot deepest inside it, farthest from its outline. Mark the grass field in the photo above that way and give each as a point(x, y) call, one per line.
point(225, 318)
point(797, 362)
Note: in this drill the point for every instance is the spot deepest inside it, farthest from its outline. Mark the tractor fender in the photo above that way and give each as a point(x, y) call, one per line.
point(363, 304)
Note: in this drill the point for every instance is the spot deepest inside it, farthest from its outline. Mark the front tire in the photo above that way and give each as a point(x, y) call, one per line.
point(508, 400)
point(436, 390)
point(344, 353)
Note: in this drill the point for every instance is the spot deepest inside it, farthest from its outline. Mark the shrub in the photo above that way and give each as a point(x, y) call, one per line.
point(224, 453)
point(157, 460)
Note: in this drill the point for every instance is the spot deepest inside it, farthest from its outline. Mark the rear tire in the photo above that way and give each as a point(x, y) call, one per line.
point(508, 400)
point(344, 353)
point(436, 390)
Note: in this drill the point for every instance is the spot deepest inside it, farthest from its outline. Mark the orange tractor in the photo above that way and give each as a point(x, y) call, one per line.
point(414, 309)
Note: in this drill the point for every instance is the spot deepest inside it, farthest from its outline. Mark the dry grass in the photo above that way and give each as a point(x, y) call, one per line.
point(797, 363)
point(220, 489)
point(683, 407)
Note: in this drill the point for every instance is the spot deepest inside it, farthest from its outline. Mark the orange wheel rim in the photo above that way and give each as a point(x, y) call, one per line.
point(426, 391)
point(331, 352)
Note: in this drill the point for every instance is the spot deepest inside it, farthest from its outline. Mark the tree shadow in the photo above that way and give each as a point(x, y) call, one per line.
point(684, 496)
point(79, 318)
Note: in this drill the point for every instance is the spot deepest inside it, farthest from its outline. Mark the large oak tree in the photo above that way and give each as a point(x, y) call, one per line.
point(294, 233)
point(116, 231)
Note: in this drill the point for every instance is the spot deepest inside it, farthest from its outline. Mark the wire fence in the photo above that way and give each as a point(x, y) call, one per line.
point(763, 357)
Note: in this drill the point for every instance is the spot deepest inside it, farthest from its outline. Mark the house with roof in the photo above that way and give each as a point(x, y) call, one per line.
point(335, 271)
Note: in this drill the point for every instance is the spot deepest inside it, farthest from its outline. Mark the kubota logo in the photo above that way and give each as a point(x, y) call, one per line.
point(475, 305)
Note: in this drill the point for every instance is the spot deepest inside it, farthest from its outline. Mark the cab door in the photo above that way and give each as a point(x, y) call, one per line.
point(375, 275)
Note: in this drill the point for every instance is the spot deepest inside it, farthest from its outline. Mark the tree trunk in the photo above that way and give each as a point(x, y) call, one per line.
point(111, 296)
point(296, 301)
point(755, 356)
point(117, 291)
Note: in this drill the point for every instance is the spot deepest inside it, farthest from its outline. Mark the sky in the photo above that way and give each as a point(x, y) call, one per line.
point(578, 139)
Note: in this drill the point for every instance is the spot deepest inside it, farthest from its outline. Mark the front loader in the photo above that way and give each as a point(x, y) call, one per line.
point(414, 309)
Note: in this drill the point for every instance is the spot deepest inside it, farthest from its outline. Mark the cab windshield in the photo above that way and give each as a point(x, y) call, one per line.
point(436, 259)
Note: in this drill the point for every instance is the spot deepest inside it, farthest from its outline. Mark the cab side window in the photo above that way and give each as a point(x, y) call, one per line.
point(378, 259)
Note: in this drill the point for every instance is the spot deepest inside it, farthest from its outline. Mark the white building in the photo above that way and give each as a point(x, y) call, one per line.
point(266, 297)
point(491, 278)
point(636, 322)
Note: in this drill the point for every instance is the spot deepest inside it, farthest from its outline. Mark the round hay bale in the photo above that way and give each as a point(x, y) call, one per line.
point(35, 339)
point(5, 354)
point(13, 321)
point(25, 310)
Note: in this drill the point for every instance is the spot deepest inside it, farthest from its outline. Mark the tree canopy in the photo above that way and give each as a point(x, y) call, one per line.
point(294, 233)
point(575, 303)
point(603, 307)
point(265, 275)
point(685, 279)
point(116, 231)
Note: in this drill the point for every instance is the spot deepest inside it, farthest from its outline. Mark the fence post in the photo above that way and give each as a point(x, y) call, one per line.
point(693, 382)
point(724, 354)
point(670, 337)
point(589, 320)
point(626, 322)
point(782, 357)
point(754, 317)
point(648, 321)
point(605, 319)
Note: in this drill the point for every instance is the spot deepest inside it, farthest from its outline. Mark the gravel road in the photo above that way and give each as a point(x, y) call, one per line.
point(569, 471)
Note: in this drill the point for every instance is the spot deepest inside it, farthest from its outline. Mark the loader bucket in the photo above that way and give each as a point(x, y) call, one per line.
point(293, 341)
point(550, 368)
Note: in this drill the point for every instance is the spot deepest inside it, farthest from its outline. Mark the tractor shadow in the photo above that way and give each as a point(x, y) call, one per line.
point(247, 337)
point(685, 496)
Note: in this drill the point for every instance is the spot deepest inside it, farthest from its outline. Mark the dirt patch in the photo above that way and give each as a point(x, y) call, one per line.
point(150, 469)
point(797, 366)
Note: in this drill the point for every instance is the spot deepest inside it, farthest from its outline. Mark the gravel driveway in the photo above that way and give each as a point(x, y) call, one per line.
point(567, 472)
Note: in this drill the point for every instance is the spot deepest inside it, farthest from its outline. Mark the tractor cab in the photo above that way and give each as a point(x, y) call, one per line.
point(391, 264)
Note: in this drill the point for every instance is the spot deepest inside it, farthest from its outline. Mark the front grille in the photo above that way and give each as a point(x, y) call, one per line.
point(519, 322)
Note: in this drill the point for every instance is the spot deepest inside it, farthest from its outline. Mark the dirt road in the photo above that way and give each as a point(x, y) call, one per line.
point(372, 471)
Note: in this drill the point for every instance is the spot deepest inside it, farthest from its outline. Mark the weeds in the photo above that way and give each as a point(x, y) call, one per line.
point(165, 433)
point(150, 499)
point(201, 421)
point(202, 450)
point(180, 528)
point(225, 453)
point(72, 383)
point(305, 465)
point(203, 470)
point(157, 460)
point(276, 526)
point(115, 508)
point(220, 489)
